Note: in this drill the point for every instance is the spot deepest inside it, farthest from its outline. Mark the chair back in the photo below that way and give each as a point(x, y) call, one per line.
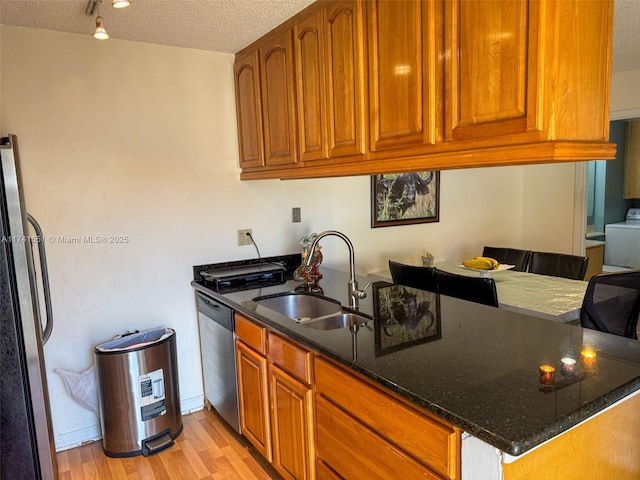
point(509, 256)
point(559, 265)
point(612, 303)
point(423, 278)
point(475, 289)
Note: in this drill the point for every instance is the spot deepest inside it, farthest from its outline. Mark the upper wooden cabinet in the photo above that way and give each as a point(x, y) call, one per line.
point(249, 110)
point(492, 68)
point(329, 47)
point(404, 41)
point(278, 99)
point(345, 78)
point(311, 88)
point(385, 86)
point(516, 74)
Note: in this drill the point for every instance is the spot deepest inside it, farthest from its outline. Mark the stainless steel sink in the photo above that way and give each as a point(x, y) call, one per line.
point(300, 306)
point(311, 310)
point(338, 320)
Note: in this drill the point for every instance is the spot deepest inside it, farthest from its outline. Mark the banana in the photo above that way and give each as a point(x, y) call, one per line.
point(482, 263)
point(495, 264)
point(479, 264)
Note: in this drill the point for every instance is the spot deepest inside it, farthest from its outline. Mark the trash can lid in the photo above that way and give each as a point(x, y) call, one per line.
point(136, 340)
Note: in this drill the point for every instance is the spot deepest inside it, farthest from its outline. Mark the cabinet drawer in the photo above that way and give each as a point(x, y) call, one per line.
point(291, 357)
point(324, 472)
point(251, 333)
point(357, 452)
point(431, 441)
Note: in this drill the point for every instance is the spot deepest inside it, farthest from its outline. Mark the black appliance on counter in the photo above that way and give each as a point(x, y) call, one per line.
point(244, 277)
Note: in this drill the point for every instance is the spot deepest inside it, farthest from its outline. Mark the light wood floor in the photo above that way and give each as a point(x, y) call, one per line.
point(207, 449)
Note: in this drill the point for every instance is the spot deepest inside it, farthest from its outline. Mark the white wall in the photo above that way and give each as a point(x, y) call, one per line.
point(554, 216)
point(625, 95)
point(139, 140)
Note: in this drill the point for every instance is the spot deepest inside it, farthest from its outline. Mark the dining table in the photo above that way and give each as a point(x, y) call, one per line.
point(553, 298)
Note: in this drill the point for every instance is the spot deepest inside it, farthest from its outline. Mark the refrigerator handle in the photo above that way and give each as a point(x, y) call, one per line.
point(46, 333)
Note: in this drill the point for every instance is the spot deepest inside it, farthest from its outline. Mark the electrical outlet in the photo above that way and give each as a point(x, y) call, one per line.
point(244, 237)
point(296, 215)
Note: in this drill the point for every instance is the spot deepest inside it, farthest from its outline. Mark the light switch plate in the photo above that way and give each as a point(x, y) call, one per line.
point(296, 215)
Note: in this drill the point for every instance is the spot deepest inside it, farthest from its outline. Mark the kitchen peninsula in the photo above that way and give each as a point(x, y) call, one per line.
point(476, 369)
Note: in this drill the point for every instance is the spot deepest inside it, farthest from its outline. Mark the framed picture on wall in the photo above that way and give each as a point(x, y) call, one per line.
point(405, 198)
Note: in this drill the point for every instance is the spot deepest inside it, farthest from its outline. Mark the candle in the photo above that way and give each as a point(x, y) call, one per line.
point(547, 374)
point(588, 358)
point(568, 366)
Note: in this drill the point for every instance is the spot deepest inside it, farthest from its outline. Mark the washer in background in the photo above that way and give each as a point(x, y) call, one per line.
point(622, 247)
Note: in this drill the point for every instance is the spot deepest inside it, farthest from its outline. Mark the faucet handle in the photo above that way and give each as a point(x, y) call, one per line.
point(362, 293)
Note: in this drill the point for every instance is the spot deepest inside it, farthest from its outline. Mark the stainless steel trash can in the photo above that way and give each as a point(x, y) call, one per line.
point(139, 394)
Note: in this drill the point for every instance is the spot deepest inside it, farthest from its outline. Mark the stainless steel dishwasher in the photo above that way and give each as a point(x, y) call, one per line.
point(219, 358)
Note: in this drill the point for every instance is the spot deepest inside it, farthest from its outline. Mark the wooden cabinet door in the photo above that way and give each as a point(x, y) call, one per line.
point(344, 47)
point(292, 423)
point(404, 83)
point(329, 46)
point(253, 398)
point(311, 88)
point(278, 99)
point(248, 110)
point(492, 68)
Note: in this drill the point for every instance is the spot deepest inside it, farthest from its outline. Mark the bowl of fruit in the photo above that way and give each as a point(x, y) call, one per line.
point(485, 265)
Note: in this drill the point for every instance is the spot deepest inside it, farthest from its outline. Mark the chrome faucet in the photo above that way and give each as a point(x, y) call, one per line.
point(354, 293)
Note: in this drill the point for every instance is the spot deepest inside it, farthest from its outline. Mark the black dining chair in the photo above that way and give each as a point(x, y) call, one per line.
point(423, 278)
point(509, 256)
point(563, 265)
point(475, 289)
point(612, 303)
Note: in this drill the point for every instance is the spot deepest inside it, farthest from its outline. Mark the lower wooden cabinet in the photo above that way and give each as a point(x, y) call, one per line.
point(325, 472)
point(253, 397)
point(312, 418)
point(276, 398)
point(595, 253)
point(362, 428)
point(356, 451)
point(292, 425)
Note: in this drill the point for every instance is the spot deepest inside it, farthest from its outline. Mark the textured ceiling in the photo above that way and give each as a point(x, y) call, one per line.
point(626, 35)
point(230, 25)
point(216, 25)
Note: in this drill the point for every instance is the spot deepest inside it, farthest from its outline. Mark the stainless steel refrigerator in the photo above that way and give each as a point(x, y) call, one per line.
point(26, 435)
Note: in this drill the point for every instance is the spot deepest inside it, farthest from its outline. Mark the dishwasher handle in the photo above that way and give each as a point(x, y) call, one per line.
point(216, 311)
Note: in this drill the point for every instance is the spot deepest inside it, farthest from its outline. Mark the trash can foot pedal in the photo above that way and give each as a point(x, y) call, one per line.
point(157, 444)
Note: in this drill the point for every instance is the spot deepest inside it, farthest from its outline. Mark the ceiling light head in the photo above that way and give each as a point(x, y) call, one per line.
point(120, 3)
point(100, 33)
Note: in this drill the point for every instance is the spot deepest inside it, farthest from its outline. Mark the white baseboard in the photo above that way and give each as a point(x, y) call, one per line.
point(75, 438)
point(92, 433)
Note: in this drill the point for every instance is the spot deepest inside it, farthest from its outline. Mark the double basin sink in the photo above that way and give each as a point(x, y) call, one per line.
point(314, 311)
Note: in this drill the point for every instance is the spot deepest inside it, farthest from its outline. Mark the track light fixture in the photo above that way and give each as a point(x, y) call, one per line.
point(120, 3)
point(93, 7)
point(100, 33)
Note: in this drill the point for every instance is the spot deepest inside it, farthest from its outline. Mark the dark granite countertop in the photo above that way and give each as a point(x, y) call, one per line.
point(476, 367)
